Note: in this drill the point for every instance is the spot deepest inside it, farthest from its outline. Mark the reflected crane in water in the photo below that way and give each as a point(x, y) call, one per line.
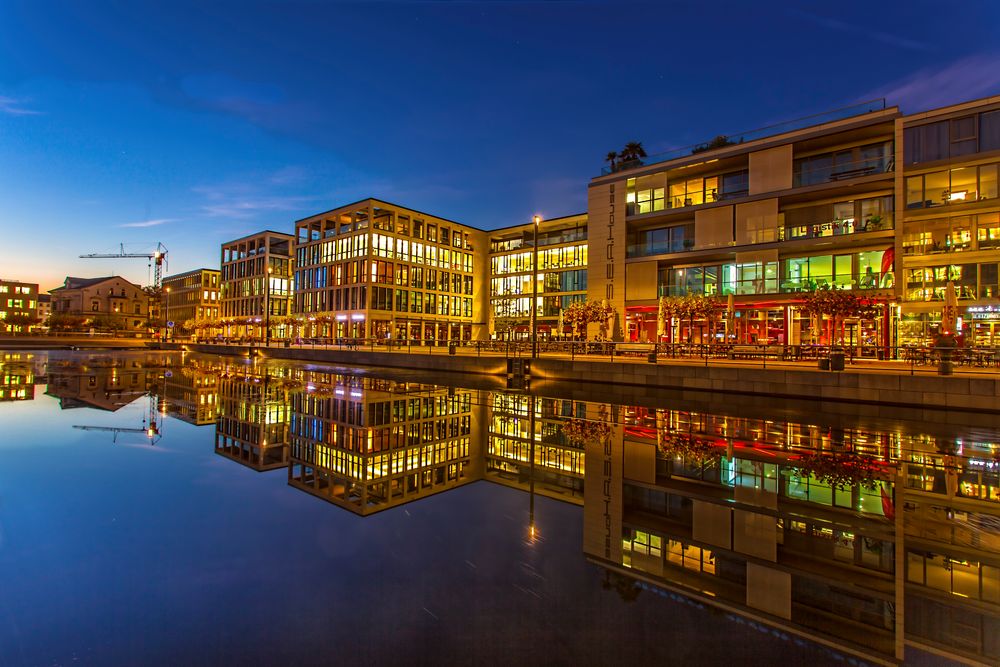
point(152, 424)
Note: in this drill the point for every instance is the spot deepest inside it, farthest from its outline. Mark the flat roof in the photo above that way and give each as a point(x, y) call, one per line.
point(260, 233)
point(544, 221)
point(383, 201)
point(188, 273)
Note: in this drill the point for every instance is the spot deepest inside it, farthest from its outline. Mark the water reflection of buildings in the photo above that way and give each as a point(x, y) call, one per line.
point(18, 376)
point(890, 542)
point(367, 444)
point(252, 425)
point(192, 394)
point(526, 444)
point(872, 539)
point(103, 383)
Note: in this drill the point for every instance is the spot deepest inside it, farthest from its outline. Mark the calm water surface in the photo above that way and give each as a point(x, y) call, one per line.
point(253, 526)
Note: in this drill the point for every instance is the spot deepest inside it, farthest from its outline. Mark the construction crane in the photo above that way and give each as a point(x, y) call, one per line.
point(158, 258)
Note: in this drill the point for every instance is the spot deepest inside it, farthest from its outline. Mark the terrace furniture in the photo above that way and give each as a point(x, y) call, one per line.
point(635, 348)
point(755, 352)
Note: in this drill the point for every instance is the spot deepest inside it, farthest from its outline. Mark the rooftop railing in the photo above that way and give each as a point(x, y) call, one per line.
point(736, 138)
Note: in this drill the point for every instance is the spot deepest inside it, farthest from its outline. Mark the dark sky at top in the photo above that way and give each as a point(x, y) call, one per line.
point(196, 123)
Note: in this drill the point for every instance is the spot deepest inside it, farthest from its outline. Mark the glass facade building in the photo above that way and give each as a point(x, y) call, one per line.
point(376, 270)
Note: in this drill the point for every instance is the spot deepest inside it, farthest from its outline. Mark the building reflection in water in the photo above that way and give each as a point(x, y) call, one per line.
point(871, 540)
point(192, 393)
point(252, 423)
point(18, 374)
point(103, 382)
point(866, 541)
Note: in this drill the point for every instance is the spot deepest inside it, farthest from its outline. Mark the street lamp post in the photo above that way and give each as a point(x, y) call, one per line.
point(166, 312)
point(267, 307)
point(534, 289)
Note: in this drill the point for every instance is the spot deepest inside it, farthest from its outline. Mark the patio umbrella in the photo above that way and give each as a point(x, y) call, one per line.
point(493, 324)
point(949, 313)
point(661, 324)
point(609, 325)
point(561, 323)
point(730, 314)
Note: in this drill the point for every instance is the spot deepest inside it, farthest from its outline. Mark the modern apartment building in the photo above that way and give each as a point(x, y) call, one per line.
point(765, 217)
point(372, 269)
point(950, 219)
point(110, 302)
point(18, 303)
point(255, 283)
point(192, 295)
point(561, 275)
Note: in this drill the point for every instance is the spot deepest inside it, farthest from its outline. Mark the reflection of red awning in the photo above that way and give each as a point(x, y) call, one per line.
point(641, 309)
point(888, 259)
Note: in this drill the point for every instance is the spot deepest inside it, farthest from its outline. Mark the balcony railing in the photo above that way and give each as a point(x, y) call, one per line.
point(752, 135)
point(764, 286)
point(842, 172)
point(838, 227)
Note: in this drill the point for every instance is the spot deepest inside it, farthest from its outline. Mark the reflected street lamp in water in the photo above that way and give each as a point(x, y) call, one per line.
point(534, 289)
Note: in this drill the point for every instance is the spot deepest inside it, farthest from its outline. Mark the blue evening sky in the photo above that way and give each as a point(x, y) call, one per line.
point(196, 123)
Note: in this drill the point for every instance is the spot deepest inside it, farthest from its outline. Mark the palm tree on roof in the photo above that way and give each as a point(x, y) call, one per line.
point(612, 159)
point(633, 151)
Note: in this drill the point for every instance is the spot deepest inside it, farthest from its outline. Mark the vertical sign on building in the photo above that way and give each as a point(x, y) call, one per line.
point(609, 288)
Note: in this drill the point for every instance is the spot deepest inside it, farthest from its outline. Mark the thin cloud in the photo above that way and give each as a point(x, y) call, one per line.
point(148, 223)
point(242, 202)
point(863, 30)
point(966, 79)
point(13, 107)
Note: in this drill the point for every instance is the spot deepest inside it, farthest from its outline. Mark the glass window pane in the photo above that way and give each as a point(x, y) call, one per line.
point(988, 181)
point(915, 192)
point(936, 188)
point(989, 131)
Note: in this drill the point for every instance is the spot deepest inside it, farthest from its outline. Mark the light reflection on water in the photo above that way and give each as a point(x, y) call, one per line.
point(481, 525)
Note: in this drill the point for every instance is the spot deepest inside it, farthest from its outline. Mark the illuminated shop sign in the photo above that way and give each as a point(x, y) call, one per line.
point(991, 312)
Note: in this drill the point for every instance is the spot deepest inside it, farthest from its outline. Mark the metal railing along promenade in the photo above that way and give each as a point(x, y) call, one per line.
point(912, 359)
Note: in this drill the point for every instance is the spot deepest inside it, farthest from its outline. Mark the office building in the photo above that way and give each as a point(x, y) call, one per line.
point(372, 269)
point(18, 306)
point(255, 284)
point(561, 275)
point(191, 297)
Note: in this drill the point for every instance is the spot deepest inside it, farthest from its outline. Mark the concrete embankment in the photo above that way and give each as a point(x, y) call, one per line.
point(867, 386)
point(71, 343)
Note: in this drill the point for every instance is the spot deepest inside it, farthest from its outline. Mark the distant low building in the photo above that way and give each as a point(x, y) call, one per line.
point(111, 302)
point(18, 302)
point(44, 307)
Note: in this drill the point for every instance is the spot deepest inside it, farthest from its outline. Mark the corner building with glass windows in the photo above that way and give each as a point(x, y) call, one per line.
point(767, 217)
point(372, 269)
point(255, 283)
point(950, 220)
